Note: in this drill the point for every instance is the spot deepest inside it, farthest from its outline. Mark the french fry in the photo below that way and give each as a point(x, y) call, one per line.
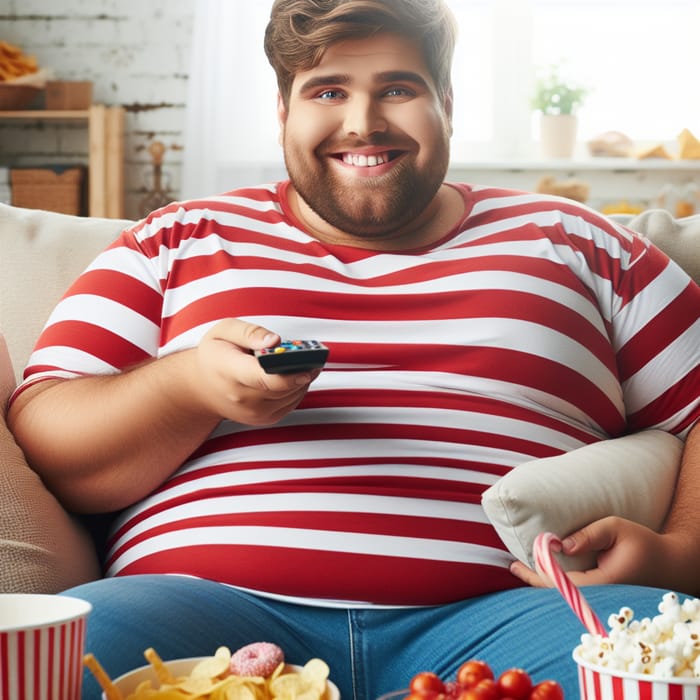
point(110, 690)
point(162, 673)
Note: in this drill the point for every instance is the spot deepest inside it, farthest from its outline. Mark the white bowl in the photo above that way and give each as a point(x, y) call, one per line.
point(601, 683)
point(128, 682)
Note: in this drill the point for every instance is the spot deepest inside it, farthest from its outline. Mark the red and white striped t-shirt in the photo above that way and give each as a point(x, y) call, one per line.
point(533, 328)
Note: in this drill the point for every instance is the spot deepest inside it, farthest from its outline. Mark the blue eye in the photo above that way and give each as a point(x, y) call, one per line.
point(398, 92)
point(330, 94)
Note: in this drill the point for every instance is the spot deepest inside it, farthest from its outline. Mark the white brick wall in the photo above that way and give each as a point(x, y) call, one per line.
point(136, 52)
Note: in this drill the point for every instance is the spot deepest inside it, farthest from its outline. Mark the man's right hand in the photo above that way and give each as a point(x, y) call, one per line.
point(103, 442)
point(231, 383)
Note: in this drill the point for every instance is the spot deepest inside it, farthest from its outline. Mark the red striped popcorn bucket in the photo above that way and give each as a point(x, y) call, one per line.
point(601, 683)
point(42, 640)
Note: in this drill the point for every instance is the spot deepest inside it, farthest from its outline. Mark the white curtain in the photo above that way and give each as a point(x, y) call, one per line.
point(231, 119)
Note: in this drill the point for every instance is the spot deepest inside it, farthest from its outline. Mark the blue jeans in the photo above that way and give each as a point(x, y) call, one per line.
point(369, 651)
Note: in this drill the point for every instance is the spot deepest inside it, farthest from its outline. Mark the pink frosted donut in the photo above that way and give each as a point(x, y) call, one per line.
point(257, 659)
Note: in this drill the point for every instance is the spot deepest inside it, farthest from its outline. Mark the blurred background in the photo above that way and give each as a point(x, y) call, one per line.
point(191, 76)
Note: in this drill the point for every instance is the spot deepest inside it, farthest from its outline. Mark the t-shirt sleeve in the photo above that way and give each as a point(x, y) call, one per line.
point(656, 333)
point(109, 318)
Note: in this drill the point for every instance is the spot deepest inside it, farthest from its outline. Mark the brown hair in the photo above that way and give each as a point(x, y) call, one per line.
point(299, 31)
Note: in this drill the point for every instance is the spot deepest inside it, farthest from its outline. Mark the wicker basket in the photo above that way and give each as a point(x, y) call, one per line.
point(58, 190)
point(17, 96)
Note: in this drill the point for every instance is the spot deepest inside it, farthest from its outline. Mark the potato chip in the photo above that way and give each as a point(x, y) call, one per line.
point(308, 684)
point(277, 671)
point(235, 691)
point(317, 672)
point(213, 666)
point(156, 694)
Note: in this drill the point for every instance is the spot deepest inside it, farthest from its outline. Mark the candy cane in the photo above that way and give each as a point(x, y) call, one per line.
point(546, 563)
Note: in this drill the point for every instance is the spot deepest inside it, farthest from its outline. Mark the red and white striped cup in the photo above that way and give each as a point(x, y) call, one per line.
point(600, 683)
point(42, 641)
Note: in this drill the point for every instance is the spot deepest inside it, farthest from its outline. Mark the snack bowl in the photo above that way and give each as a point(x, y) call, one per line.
point(603, 683)
point(128, 682)
point(16, 97)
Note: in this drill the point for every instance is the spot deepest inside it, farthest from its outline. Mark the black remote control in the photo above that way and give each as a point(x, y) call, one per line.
point(292, 356)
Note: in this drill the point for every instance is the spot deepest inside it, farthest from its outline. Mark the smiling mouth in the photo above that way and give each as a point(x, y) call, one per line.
point(361, 160)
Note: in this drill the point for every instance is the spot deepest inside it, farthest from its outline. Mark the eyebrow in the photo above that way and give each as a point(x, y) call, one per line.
point(393, 76)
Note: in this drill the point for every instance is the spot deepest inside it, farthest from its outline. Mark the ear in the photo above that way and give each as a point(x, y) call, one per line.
point(281, 117)
point(448, 106)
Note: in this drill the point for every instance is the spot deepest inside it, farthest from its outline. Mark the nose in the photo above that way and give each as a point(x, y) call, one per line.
point(363, 117)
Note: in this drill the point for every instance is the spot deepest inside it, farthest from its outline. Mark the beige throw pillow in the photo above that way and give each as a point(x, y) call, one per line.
point(633, 477)
point(679, 238)
point(42, 549)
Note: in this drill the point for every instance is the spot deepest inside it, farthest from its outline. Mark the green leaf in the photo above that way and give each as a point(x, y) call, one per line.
point(555, 95)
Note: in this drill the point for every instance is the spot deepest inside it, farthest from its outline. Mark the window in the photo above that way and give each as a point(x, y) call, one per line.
point(640, 59)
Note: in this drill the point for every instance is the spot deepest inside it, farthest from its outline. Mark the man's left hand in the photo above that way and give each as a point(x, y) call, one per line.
point(626, 553)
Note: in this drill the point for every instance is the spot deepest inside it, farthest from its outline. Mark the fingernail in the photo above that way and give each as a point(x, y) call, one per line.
point(269, 339)
point(302, 379)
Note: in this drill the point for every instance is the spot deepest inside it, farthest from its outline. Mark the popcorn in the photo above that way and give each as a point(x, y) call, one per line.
point(665, 646)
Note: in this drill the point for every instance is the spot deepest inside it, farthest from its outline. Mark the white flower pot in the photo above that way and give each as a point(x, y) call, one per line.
point(558, 135)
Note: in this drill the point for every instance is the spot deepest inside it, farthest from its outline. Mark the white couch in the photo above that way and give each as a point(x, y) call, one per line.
point(42, 549)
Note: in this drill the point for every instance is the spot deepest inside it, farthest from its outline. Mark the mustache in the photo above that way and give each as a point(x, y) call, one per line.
point(373, 141)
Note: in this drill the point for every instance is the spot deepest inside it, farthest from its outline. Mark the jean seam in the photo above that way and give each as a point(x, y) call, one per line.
point(351, 645)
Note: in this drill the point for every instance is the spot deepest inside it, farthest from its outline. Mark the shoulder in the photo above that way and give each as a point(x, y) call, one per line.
point(506, 209)
point(180, 220)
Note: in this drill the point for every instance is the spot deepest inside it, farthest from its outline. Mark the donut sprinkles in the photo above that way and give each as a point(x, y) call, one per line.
point(256, 659)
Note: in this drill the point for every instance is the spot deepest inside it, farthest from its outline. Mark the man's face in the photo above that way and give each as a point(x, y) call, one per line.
point(366, 138)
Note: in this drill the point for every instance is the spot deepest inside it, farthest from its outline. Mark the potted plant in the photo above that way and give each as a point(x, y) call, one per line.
point(557, 100)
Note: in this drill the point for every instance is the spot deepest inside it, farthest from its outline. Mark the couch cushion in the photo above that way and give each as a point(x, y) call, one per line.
point(42, 549)
point(678, 238)
point(41, 253)
point(564, 493)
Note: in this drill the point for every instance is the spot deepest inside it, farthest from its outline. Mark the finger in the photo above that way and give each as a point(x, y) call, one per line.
point(595, 537)
point(249, 336)
point(281, 385)
point(268, 408)
point(528, 575)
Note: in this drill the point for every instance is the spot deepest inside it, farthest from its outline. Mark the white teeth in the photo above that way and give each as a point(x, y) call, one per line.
point(362, 161)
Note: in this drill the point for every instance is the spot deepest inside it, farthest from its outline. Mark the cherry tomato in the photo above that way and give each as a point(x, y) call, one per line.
point(515, 683)
point(485, 689)
point(547, 690)
point(427, 683)
point(452, 690)
point(473, 671)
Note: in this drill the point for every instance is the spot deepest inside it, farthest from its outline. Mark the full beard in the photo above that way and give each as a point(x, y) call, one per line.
point(371, 207)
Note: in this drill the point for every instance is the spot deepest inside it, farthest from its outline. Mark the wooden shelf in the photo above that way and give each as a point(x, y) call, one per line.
point(605, 164)
point(42, 114)
point(105, 152)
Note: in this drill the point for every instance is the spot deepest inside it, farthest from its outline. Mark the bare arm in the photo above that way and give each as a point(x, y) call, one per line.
point(632, 553)
point(103, 442)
